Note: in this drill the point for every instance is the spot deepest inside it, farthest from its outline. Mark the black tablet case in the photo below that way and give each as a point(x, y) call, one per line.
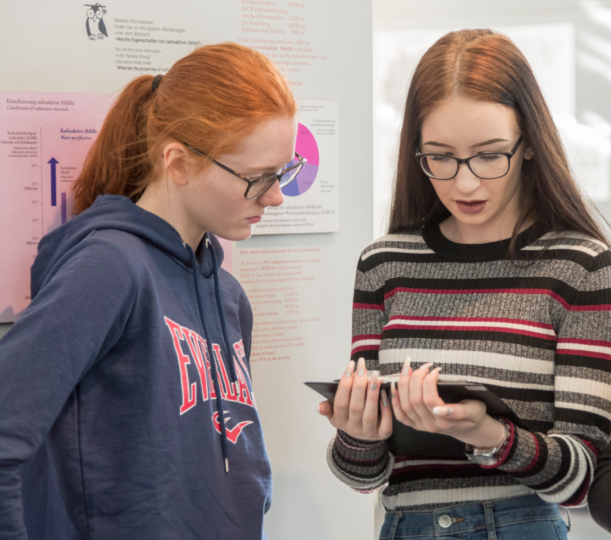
point(406, 441)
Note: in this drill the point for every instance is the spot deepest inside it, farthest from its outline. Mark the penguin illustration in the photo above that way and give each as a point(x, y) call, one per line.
point(96, 29)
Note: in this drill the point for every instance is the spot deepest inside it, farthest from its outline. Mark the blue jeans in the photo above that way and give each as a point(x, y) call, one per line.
point(519, 518)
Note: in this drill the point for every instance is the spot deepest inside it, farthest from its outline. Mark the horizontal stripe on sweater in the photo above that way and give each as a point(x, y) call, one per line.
point(535, 334)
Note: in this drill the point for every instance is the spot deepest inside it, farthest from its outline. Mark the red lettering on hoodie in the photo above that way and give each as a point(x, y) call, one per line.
point(189, 393)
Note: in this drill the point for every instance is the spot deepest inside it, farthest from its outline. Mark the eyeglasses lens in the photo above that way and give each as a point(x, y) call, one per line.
point(290, 175)
point(486, 166)
point(490, 165)
point(265, 183)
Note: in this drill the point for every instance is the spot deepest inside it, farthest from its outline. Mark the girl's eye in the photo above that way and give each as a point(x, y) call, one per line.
point(440, 159)
point(487, 158)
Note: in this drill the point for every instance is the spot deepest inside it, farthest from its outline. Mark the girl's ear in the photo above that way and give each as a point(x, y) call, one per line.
point(175, 163)
point(528, 153)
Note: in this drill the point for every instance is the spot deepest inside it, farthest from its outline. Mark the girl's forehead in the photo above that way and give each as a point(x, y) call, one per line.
point(461, 116)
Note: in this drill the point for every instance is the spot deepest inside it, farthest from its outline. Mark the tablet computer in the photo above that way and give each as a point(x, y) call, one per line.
point(406, 441)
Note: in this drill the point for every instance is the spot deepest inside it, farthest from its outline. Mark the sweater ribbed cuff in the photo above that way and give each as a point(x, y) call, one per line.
point(364, 460)
point(523, 453)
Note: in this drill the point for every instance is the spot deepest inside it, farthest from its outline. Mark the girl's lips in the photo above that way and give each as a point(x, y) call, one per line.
point(253, 220)
point(471, 207)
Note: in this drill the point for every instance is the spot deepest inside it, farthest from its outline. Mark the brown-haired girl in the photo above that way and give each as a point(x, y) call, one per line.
point(494, 271)
point(126, 401)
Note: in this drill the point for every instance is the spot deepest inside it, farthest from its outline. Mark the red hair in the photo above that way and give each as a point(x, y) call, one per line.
point(209, 99)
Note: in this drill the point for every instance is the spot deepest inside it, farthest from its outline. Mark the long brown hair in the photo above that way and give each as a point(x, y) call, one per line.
point(483, 65)
point(209, 99)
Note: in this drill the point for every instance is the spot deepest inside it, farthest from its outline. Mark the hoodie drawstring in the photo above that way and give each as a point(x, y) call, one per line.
point(219, 303)
point(215, 377)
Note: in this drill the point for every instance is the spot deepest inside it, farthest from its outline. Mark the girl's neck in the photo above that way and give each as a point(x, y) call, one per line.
point(157, 200)
point(462, 233)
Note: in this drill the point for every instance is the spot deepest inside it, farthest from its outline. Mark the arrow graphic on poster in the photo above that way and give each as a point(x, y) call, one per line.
point(53, 162)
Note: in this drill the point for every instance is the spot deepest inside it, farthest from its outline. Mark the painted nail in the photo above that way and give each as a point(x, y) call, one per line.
point(405, 369)
point(384, 398)
point(436, 370)
point(425, 366)
point(361, 367)
point(443, 411)
point(318, 408)
point(374, 381)
point(393, 390)
point(350, 369)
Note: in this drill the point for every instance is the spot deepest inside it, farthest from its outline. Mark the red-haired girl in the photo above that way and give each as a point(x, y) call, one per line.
point(126, 403)
point(493, 271)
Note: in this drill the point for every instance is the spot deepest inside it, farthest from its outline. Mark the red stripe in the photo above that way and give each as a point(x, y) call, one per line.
point(366, 348)
point(366, 336)
point(470, 319)
point(572, 352)
point(368, 306)
point(545, 292)
point(600, 307)
point(590, 446)
point(471, 329)
point(594, 342)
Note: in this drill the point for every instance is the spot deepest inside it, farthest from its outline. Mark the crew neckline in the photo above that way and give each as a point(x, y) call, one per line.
point(441, 245)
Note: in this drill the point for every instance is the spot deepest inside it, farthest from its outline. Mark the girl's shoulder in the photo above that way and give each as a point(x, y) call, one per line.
point(571, 243)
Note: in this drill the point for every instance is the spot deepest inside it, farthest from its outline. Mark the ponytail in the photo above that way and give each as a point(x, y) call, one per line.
point(210, 99)
point(116, 163)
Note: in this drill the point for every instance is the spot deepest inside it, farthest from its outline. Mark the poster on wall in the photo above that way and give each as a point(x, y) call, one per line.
point(311, 201)
point(45, 137)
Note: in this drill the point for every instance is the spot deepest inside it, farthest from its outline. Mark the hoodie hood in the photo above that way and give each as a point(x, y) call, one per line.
point(119, 213)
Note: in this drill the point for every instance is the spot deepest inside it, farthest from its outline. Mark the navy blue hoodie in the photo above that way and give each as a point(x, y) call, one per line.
point(109, 414)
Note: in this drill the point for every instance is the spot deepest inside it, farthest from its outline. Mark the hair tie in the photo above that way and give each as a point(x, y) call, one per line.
point(155, 83)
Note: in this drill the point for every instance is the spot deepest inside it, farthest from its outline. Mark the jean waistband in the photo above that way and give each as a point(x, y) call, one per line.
point(466, 517)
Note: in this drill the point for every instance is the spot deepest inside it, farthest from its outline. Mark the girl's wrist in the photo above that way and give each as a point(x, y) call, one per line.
point(491, 433)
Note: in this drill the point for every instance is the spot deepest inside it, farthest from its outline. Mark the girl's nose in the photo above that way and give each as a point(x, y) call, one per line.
point(272, 197)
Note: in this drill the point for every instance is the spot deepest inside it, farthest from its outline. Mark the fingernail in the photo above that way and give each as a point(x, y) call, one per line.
point(384, 398)
point(393, 390)
point(361, 367)
point(374, 381)
point(425, 366)
point(405, 369)
point(443, 411)
point(436, 370)
point(350, 369)
point(318, 408)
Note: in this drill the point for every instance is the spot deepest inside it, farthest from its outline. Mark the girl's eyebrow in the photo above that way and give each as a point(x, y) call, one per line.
point(485, 143)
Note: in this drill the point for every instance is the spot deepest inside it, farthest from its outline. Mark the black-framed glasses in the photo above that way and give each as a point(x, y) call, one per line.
point(258, 186)
point(485, 166)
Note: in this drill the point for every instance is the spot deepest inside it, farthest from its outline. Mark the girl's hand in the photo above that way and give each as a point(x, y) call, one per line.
point(355, 407)
point(416, 403)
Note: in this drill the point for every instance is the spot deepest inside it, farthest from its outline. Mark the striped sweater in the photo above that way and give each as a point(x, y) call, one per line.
point(537, 332)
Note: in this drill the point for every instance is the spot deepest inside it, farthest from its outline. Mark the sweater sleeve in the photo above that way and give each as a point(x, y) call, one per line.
point(77, 316)
point(599, 496)
point(559, 465)
point(364, 466)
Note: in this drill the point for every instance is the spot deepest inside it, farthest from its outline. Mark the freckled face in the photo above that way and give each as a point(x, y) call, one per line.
point(464, 127)
point(215, 201)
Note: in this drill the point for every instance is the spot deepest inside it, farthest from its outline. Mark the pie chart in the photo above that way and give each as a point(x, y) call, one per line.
point(306, 146)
